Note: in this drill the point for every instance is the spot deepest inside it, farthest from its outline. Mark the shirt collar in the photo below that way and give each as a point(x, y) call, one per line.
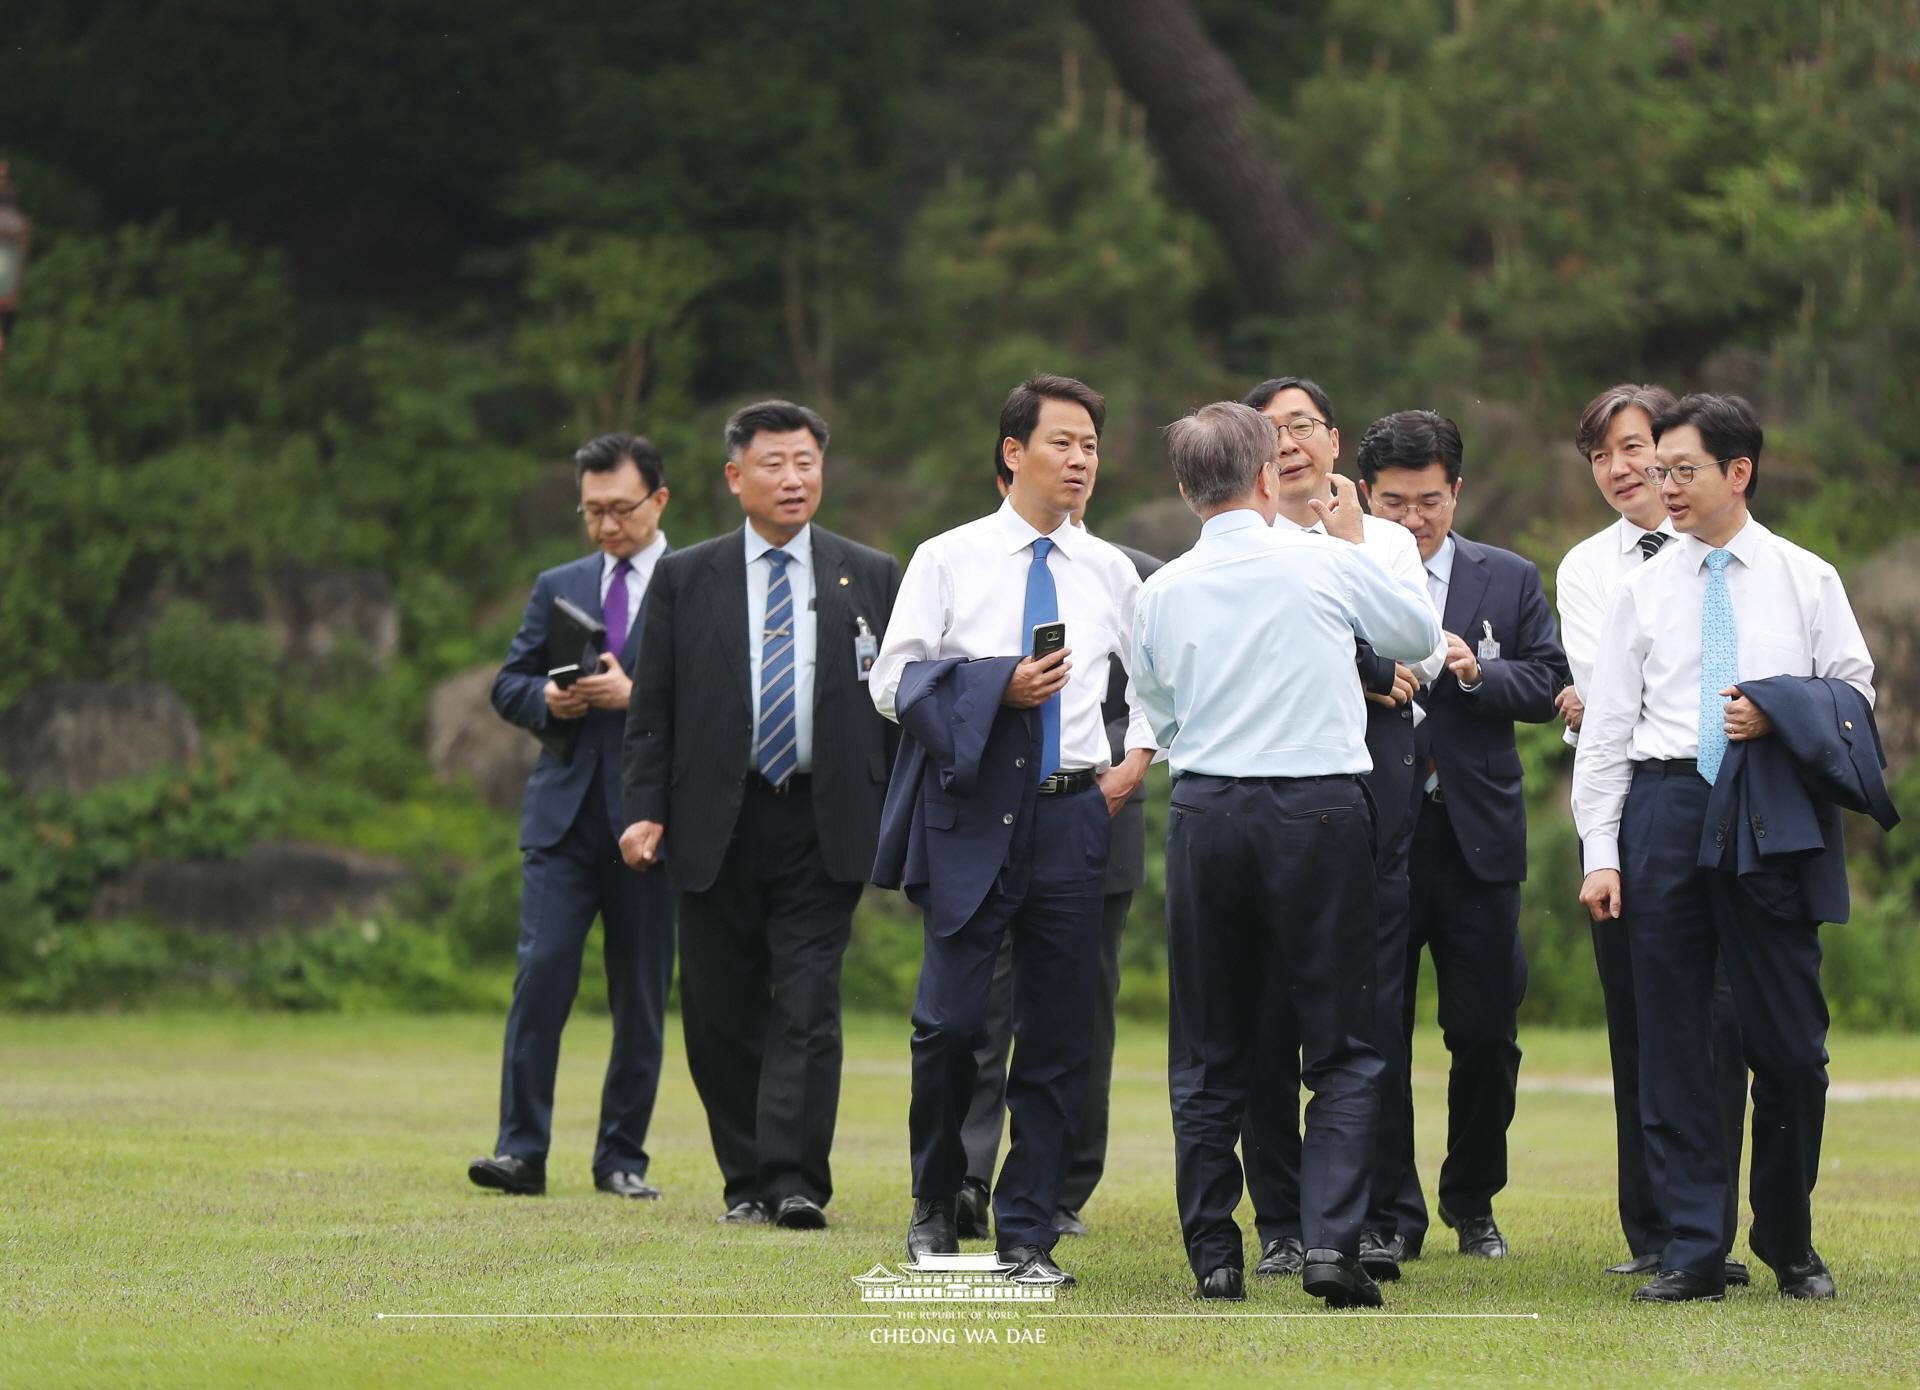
point(1282, 519)
point(799, 549)
point(1226, 523)
point(1018, 534)
point(1627, 534)
point(1441, 565)
point(643, 560)
point(1745, 545)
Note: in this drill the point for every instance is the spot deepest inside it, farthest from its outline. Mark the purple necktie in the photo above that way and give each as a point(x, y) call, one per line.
point(613, 609)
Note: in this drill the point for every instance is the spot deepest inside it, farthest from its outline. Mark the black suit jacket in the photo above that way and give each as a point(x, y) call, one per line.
point(1127, 859)
point(689, 735)
point(1469, 733)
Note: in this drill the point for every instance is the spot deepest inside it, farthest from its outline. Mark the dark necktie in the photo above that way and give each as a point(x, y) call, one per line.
point(1651, 542)
point(613, 609)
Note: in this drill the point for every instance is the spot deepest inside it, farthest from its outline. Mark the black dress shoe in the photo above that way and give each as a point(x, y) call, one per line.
point(931, 1232)
point(1678, 1286)
point(1338, 1278)
point(1283, 1256)
point(1737, 1273)
point(1640, 1264)
point(1404, 1249)
point(1068, 1223)
point(1226, 1284)
point(505, 1173)
point(747, 1213)
point(972, 1211)
point(1036, 1265)
point(624, 1184)
point(798, 1213)
point(1377, 1257)
point(1806, 1277)
point(1478, 1235)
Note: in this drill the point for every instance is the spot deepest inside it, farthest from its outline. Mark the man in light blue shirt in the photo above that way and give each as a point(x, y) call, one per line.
point(1244, 665)
point(799, 569)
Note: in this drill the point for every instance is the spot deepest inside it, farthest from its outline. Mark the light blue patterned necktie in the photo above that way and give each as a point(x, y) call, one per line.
point(1043, 606)
point(779, 736)
point(1719, 662)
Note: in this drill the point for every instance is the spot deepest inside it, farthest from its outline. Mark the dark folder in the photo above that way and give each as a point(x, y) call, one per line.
point(574, 636)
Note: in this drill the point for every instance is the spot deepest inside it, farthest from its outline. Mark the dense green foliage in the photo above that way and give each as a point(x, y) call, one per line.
point(344, 288)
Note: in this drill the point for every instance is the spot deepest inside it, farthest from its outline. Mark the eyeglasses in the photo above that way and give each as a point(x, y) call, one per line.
point(1393, 508)
point(1681, 473)
point(619, 511)
point(1301, 426)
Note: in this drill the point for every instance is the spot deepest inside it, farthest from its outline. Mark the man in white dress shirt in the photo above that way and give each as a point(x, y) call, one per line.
point(977, 592)
point(1616, 438)
point(1309, 447)
point(1727, 602)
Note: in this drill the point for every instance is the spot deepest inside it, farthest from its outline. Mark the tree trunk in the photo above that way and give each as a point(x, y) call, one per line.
point(1206, 125)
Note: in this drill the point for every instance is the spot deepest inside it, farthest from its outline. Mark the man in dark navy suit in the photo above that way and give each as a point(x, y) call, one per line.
point(569, 832)
point(1504, 665)
point(754, 754)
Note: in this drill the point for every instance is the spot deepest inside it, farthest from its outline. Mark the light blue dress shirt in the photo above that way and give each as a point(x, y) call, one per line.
point(805, 641)
point(1244, 655)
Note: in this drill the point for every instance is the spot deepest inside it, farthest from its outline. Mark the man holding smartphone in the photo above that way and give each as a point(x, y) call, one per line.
point(983, 593)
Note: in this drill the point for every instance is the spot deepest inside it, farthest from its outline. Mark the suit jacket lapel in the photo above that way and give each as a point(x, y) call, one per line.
point(831, 619)
point(1465, 590)
point(630, 653)
point(727, 610)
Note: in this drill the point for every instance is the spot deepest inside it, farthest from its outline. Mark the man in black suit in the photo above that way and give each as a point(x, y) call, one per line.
point(752, 740)
point(1126, 871)
point(569, 831)
point(1504, 664)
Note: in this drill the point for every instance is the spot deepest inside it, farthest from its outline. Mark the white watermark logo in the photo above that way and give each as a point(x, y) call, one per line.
point(956, 1279)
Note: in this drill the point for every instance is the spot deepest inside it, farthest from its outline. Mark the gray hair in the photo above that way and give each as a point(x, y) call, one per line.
point(1218, 451)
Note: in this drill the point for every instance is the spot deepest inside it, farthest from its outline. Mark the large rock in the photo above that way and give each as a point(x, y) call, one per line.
point(312, 615)
point(74, 736)
point(272, 886)
point(466, 740)
point(1885, 592)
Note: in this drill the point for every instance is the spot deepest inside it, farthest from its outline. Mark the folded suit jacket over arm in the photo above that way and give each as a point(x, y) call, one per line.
point(961, 789)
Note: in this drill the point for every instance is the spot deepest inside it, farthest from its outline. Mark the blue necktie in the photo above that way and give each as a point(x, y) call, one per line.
point(1719, 662)
point(779, 736)
point(1043, 606)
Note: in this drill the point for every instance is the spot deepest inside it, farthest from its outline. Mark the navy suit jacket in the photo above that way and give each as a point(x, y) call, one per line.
point(1773, 818)
point(557, 786)
point(1469, 733)
point(960, 790)
point(1389, 745)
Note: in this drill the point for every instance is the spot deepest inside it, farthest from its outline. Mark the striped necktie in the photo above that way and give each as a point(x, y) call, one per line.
point(1719, 662)
point(1650, 544)
point(779, 736)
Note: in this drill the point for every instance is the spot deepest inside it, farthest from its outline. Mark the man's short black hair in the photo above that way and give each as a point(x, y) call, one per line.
point(774, 417)
point(1409, 439)
point(609, 451)
point(1021, 413)
point(1727, 424)
point(1262, 395)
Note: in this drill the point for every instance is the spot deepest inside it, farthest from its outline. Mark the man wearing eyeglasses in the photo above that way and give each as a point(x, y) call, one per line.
point(569, 837)
point(1615, 436)
point(756, 767)
point(1308, 449)
point(1469, 853)
point(1729, 604)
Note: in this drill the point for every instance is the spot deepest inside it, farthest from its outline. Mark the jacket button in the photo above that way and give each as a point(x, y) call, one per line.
point(1326, 820)
point(1019, 762)
point(1719, 838)
point(1407, 758)
point(1761, 833)
point(1007, 819)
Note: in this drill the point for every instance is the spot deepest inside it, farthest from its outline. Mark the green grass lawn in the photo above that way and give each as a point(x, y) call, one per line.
point(235, 1200)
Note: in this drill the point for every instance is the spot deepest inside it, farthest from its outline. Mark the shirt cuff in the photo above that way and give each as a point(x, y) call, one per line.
point(1466, 689)
point(1601, 851)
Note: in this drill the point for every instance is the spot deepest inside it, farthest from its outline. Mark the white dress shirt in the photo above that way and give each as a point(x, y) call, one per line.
point(1583, 589)
point(964, 594)
point(643, 562)
point(1245, 645)
point(1393, 548)
point(805, 639)
point(1791, 618)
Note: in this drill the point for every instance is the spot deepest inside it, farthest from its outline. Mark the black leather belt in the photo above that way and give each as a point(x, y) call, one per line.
point(1668, 767)
point(1061, 783)
point(798, 782)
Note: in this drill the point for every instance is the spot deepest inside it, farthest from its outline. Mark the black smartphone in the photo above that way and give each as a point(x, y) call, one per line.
point(1048, 638)
point(565, 676)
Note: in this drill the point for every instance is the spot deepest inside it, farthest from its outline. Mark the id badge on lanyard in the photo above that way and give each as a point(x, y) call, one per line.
point(1489, 649)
